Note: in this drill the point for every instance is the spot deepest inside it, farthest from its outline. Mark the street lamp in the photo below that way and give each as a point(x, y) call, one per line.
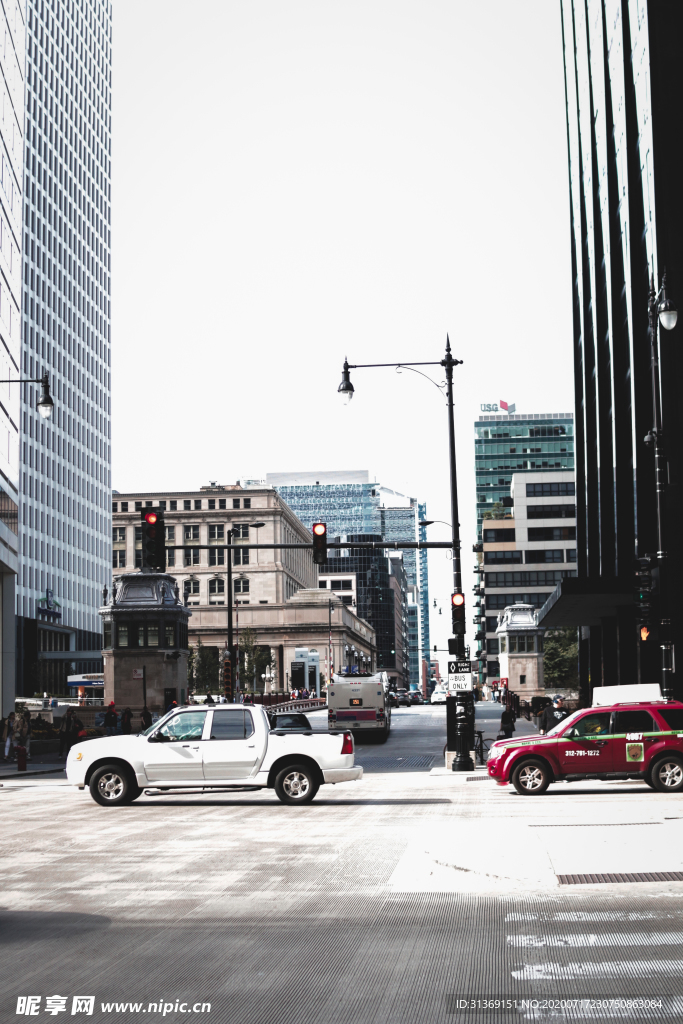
point(257, 527)
point(45, 405)
point(661, 310)
point(346, 389)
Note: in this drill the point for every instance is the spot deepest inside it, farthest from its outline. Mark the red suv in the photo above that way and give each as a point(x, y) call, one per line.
point(624, 741)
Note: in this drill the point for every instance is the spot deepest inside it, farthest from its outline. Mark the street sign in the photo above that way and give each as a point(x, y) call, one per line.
point(138, 673)
point(459, 675)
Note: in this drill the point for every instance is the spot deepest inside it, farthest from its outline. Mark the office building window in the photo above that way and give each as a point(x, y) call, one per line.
point(170, 556)
point(492, 557)
point(216, 591)
point(552, 533)
point(114, 506)
point(119, 535)
point(170, 534)
point(235, 502)
point(539, 557)
point(124, 506)
point(187, 504)
point(197, 504)
point(119, 559)
point(551, 512)
point(122, 635)
point(240, 557)
point(173, 506)
point(571, 554)
point(222, 503)
point(322, 584)
point(491, 623)
point(241, 586)
point(217, 556)
point(502, 536)
point(212, 503)
point(170, 636)
point(247, 503)
point(527, 579)
point(162, 506)
point(191, 591)
point(492, 646)
point(138, 558)
point(138, 506)
point(191, 556)
point(216, 532)
point(191, 533)
point(550, 490)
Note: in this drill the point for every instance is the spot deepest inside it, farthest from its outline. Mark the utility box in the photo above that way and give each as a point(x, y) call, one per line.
point(145, 645)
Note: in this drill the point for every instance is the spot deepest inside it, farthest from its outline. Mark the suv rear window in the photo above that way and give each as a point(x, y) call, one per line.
point(673, 717)
point(635, 721)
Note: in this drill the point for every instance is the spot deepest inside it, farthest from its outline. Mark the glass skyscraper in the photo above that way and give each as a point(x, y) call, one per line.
point(624, 103)
point(65, 500)
point(504, 445)
point(12, 61)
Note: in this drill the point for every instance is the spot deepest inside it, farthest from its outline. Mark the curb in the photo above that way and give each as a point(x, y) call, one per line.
point(26, 775)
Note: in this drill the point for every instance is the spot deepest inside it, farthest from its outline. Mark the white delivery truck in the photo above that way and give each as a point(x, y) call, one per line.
point(360, 703)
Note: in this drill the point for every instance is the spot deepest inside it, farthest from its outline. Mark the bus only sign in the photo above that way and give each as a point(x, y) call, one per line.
point(459, 675)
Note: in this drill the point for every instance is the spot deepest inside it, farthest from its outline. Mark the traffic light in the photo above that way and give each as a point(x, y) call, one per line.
point(319, 543)
point(153, 540)
point(458, 610)
point(643, 591)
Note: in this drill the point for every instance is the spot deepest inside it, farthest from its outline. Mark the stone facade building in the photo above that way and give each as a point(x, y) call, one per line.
point(521, 650)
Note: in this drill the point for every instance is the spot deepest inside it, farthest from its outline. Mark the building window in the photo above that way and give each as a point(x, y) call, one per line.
point(106, 643)
point(522, 680)
point(235, 502)
point(552, 533)
point(191, 591)
point(549, 555)
point(511, 557)
point(191, 534)
point(173, 506)
point(222, 503)
point(492, 646)
point(322, 584)
point(538, 578)
point(162, 506)
point(491, 623)
point(551, 512)
point(149, 504)
point(217, 556)
point(197, 504)
point(122, 635)
point(217, 533)
point(119, 559)
point(240, 557)
point(170, 636)
point(114, 506)
point(187, 504)
point(124, 506)
point(170, 556)
point(191, 556)
point(521, 643)
point(503, 536)
point(241, 531)
point(571, 554)
point(212, 503)
point(119, 535)
point(216, 591)
point(247, 503)
point(170, 535)
point(241, 586)
point(152, 636)
point(138, 506)
point(550, 490)
point(341, 585)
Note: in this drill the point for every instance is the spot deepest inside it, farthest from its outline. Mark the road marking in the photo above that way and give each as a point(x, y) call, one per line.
point(609, 939)
point(589, 970)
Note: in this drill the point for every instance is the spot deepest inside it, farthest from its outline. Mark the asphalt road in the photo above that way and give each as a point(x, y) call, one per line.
point(383, 902)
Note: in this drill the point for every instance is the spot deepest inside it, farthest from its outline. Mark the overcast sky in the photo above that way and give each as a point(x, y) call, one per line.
point(298, 180)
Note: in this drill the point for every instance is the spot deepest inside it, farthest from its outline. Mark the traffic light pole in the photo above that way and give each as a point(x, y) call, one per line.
point(448, 363)
point(231, 647)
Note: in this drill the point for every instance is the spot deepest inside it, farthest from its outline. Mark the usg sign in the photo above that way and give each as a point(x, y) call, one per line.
point(500, 407)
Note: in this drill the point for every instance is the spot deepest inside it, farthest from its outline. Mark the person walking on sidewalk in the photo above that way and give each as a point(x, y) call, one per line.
point(126, 721)
point(507, 724)
point(111, 720)
point(28, 734)
point(553, 715)
point(68, 732)
point(146, 716)
point(8, 735)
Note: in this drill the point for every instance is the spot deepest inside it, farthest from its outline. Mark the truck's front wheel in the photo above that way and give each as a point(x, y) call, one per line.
point(296, 785)
point(111, 785)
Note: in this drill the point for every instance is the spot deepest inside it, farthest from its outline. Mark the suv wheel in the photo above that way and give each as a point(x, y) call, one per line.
point(531, 778)
point(296, 785)
point(667, 774)
point(112, 785)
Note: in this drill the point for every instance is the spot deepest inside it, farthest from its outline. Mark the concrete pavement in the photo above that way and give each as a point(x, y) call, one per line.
point(390, 900)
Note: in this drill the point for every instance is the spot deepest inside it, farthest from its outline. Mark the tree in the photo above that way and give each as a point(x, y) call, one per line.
point(254, 660)
point(203, 668)
point(497, 511)
point(561, 658)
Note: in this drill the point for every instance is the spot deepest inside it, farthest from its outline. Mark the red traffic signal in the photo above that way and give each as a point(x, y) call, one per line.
point(153, 537)
point(319, 531)
point(151, 518)
point(458, 610)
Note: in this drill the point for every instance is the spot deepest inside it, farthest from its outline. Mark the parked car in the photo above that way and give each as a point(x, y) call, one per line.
point(403, 697)
point(225, 746)
point(642, 740)
point(416, 697)
point(439, 695)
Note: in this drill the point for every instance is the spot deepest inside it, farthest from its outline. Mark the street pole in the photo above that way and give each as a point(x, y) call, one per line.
point(329, 645)
point(655, 436)
point(231, 651)
point(448, 363)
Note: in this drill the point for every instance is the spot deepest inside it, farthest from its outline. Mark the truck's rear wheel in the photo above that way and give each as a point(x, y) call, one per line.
point(296, 785)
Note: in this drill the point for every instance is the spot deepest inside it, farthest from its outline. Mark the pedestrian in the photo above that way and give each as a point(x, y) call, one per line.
point(172, 706)
point(126, 721)
point(494, 692)
point(8, 735)
point(507, 724)
point(111, 719)
point(209, 699)
point(553, 715)
point(28, 734)
point(146, 717)
point(485, 692)
point(68, 732)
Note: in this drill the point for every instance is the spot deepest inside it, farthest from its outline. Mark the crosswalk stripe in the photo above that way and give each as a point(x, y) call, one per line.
point(625, 939)
point(588, 970)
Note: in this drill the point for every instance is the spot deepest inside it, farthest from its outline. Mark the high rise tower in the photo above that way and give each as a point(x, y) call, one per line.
point(65, 501)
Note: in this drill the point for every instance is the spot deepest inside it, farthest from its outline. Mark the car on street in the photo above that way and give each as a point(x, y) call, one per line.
point(630, 740)
point(403, 697)
point(439, 695)
point(392, 699)
point(415, 697)
point(227, 746)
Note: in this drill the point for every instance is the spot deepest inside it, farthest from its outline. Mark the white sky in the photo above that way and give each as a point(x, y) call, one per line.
point(297, 180)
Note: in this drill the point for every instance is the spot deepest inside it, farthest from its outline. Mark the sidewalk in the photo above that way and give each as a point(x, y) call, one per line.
point(41, 764)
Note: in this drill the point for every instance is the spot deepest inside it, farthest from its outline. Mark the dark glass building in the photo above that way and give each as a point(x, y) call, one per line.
point(624, 101)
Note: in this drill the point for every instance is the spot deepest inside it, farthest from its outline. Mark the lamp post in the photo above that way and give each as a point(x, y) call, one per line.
point(346, 389)
point(45, 405)
point(661, 309)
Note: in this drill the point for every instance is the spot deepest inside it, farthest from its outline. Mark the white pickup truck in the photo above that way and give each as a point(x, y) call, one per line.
point(230, 746)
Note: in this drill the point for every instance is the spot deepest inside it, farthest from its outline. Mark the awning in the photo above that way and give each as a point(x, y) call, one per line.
point(585, 602)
